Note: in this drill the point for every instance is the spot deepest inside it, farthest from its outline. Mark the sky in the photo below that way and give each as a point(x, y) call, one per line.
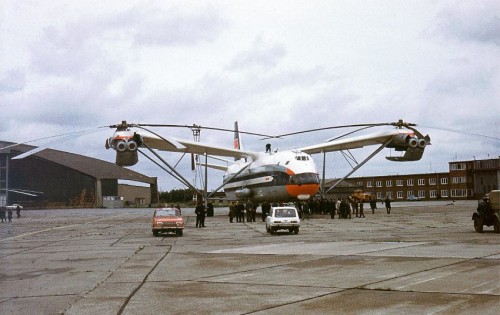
point(274, 66)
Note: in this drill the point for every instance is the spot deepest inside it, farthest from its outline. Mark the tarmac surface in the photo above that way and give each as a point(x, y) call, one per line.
point(423, 258)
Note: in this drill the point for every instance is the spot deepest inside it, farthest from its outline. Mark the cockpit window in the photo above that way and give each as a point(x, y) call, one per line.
point(302, 158)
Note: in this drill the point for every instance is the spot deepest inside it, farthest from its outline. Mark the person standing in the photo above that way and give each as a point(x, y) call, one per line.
point(373, 203)
point(305, 209)
point(388, 204)
point(333, 208)
point(210, 209)
point(249, 208)
point(18, 211)
point(200, 215)
point(9, 214)
point(266, 207)
point(2, 214)
point(345, 209)
point(361, 206)
point(354, 206)
point(232, 211)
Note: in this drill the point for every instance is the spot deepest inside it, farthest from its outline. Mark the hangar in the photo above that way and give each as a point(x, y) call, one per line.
point(61, 179)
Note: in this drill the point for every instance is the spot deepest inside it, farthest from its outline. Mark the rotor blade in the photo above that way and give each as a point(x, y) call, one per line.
point(28, 153)
point(75, 133)
point(204, 127)
point(62, 138)
point(334, 127)
point(462, 132)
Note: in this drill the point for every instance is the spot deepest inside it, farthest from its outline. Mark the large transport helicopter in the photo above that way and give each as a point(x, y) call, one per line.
point(273, 176)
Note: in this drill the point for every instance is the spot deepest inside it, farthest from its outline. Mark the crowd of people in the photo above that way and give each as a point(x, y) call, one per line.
point(6, 213)
point(342, 208)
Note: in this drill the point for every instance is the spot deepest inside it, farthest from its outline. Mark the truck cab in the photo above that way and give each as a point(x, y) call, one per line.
point(488, 212)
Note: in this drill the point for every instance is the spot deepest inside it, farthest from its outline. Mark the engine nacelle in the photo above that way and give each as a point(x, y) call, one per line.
point(125, 143)
point(403, 141)
point(412, 145)
point(126, 158)
point(243, 193)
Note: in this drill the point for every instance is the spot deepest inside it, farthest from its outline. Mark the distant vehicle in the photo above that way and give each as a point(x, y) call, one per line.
point(14, 206)
point(167, 220)
point(488, 212)
point(413, 198)
point(283, 218)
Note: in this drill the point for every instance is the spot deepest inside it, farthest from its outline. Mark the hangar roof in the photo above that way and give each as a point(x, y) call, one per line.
point(93, 167)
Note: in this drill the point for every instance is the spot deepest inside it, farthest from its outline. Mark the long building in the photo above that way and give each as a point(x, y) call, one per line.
point(464, 180)
point(53, 178)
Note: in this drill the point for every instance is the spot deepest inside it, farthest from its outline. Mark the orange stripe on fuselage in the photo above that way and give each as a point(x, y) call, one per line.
point(121, 137)
point(297, 190)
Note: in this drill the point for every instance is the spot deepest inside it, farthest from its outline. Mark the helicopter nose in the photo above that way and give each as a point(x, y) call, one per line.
point(302, 192)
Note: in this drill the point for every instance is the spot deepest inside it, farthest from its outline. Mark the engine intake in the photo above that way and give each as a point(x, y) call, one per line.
point(121, 146)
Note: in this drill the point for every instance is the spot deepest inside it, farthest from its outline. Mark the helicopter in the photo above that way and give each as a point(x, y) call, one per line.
point(280, 176)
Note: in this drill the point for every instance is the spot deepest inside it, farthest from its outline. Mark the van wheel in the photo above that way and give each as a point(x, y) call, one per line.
point(478, 225)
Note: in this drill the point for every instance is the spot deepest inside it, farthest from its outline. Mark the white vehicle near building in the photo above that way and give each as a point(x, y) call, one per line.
point(283, 218)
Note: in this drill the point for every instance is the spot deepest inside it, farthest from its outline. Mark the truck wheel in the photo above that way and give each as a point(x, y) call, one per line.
point(178, 232)
point(478, 225)
point(155, 233)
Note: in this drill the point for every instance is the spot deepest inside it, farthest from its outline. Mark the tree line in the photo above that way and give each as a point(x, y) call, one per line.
point(176, 195)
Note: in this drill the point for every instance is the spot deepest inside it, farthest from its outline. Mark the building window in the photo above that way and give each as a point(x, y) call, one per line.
point(388, 183)
point(378, 183)
point(409, 182)
point(459, 193)
point(399, 182)
point(458, 166)
point(360, 184)
point(432, 194)
point(421, 194)
point(379, 195)
point(409, 193)
point(444, 180)
point(444, 193)
point(459, 180)
point(432, 181)
point(421, 182)
point(399, 194)
point(389, 194)
point(369, 184)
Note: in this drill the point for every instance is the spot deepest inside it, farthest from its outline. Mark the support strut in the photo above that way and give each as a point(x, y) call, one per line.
point(360, 164)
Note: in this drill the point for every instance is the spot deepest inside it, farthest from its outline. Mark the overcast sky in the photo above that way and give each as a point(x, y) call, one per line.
point(274, 66)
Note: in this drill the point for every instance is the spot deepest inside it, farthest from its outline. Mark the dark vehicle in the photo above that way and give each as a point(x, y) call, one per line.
point(488, 212)
point(167, 220)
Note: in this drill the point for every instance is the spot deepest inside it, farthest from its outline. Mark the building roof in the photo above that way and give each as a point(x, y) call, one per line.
point(96, 168)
